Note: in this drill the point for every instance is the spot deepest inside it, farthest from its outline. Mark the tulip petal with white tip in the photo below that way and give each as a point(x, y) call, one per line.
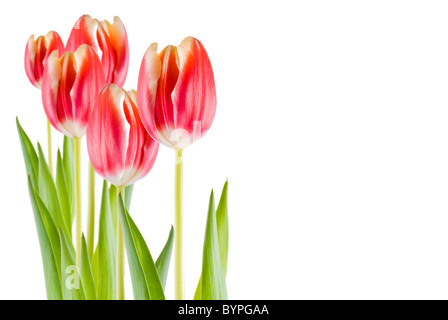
point(70, 86)
point(176, 93)
point(36, 53)
point(110, 42)
point(194, 95)
point(120, 149)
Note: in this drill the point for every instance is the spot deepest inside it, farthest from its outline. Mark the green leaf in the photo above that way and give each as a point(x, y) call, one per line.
point(48, 193)
point(145, 279)
point(103, 263)
point(198, 293)
point(63, 195)
point(113, 195)
point(51, 230)
point(68, 164)
point(213, 284)
point(163, 261)
point(113, 192)
point(128, 195)
point(222, 225)
point(86, 272)
point(50, 264)
point(29, 155)
point(71, 280)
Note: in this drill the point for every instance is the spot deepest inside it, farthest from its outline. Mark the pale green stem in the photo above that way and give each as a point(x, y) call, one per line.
point(78, 199)
point(178, 249)
point(50, 156)
point(91, 212)
point(120, 251)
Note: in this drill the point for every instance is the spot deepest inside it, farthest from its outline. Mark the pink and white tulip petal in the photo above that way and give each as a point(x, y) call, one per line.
point(176, 93)
point(70, 86)
point(36, 53)
point(120, 149)
point(110, 41)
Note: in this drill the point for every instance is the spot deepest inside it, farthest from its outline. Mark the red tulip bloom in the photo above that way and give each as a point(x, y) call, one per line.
point(36, 53)
point(176, 93)
point(70, 86)
point(120, 149)
point(109, 41)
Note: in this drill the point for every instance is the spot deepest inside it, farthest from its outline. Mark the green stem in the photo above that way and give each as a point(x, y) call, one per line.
point(178, 250)
point(50, 156)
point(78, 198)
point(91, 212)
point(120, 251)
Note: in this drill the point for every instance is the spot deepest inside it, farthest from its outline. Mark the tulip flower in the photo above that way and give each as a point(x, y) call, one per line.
point(36, 54)
point(176, 93)
point(109, 41)
point(120, 149)
point(177, 103)
point(119, 154)
point(70, 86)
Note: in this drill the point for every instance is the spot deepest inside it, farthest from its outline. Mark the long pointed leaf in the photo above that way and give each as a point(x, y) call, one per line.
point(163, 261)
point(48, 193)
point(51, 230)
point(52, 280)
point(86, 272)
point(213, 280)
point(222, 225)
point(63, 195)
point(145, 279)
point(29, 155)
point(113, 192)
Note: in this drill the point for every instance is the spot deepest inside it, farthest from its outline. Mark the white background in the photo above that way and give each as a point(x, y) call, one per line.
point(331, 126)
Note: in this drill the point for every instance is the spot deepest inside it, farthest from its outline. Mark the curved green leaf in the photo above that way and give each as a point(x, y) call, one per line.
point(222, 226)
point(29, 155)
point(163, 261)
point(145, 279)
point(48, 193)
point(50, 264)
point(113, 192)
point(52, 231)
point(128, 196)
point(86, 272)
point(213, 284)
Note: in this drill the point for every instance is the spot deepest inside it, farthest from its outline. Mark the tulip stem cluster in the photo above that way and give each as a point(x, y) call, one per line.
point(91, 212)
point(120, 250)
point(78, 211)
point(178, 221)
point(50, 156)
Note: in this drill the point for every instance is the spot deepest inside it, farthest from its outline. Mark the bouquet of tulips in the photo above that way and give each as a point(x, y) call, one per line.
point(175, 102)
